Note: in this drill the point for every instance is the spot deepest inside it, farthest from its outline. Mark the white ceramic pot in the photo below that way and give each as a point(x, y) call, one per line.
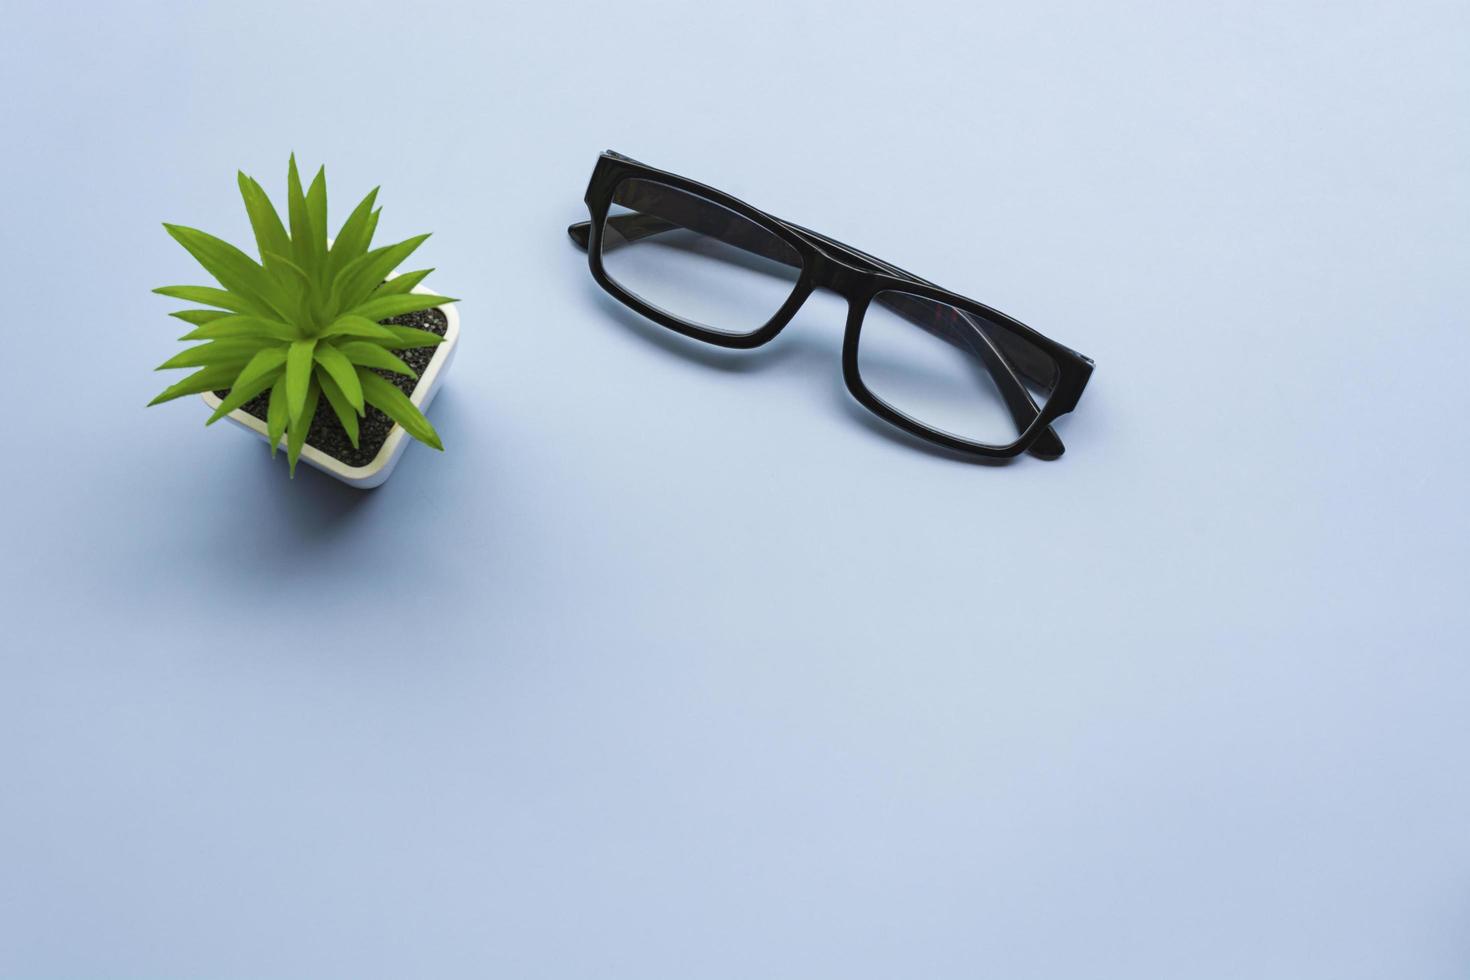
point(374, 473)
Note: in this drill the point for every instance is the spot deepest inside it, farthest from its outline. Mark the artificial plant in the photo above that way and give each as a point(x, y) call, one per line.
point(302, 323)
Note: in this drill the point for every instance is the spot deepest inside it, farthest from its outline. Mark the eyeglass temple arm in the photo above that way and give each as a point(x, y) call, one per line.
point(964, 332)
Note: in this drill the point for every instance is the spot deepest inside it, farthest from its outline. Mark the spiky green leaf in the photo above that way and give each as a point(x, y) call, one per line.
point(354, 237)
point(243, 326)
point(316, 211)
point(198, 317)
point(234, 270)
point(384, 307)
point(207, 379)
point(396, 406)
point(372, 225)
point(365, 354)
point(270, 234)
point(276, 415)
point(403, 338)
point(356, 326)
point(298, 376)
point(305, 295)
point(297, 214)
point(346, 414)
point(405, 283)
point(301, 426)
point(406, 338)
point(360, 277)
point(261, 373)
point(209, 296)
point(233, 351)
point(391, 336)
point(297, 274)
point(339, 366)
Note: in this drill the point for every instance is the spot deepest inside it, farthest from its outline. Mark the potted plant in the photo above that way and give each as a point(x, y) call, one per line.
point(317, 347)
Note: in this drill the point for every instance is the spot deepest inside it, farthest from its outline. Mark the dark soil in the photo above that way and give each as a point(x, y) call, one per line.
point(327, 434)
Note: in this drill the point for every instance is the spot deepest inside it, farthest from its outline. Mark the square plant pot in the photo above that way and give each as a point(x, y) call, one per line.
point(381, 467)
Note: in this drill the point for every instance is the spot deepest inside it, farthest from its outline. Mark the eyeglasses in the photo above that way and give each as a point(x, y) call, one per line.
point(937, 364)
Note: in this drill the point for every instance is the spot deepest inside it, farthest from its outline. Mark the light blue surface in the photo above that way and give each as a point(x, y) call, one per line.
point(674, 665)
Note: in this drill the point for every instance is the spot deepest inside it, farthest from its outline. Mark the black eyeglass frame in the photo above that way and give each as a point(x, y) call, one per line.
point(858, 277)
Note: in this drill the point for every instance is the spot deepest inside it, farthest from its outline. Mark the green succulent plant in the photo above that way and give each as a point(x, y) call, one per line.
point(302, 323)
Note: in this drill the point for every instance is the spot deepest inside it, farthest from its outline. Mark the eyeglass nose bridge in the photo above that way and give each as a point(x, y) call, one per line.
point(827, 271)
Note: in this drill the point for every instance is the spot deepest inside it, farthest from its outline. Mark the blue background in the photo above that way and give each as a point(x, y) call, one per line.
point(676, 664)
